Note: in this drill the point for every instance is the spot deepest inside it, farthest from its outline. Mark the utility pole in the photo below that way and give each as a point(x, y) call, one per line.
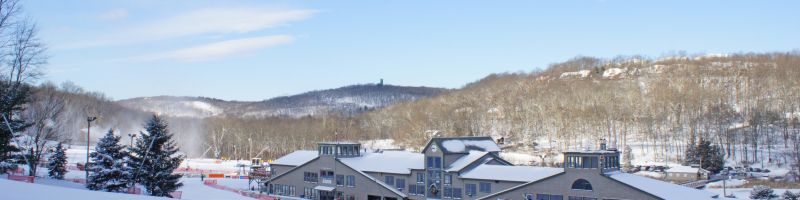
point(89, 121)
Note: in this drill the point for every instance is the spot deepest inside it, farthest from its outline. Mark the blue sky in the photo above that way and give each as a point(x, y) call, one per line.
point(254, 50)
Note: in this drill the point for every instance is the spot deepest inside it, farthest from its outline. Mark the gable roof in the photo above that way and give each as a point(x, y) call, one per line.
point(511, 173)
point(463, 144)
point(464, 161)
point(518, 186)
point(658, 188)
point(390, 187)
point(365, 175)
point(296, 158)
point(396, 162)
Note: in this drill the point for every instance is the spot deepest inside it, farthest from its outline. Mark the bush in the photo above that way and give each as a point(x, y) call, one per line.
point(762, 192)
point(789, 195)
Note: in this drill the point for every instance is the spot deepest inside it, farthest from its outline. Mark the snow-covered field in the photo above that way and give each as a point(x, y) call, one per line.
point(744, 193)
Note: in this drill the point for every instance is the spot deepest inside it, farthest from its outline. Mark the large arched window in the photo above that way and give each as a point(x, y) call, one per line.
point(581, 184)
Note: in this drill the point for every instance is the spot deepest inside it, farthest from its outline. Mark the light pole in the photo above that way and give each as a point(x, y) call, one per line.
point(131, 135)
point(89, 121)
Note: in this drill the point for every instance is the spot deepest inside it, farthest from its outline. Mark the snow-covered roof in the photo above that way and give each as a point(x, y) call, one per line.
point(684, 169)
point(398, 162)
point(510, 173)
point(465, 145)
point(296, 158)
point(660, 189)
point(464, 161)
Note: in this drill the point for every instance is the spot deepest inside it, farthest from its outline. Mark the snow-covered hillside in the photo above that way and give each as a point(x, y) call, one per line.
point(348, 100)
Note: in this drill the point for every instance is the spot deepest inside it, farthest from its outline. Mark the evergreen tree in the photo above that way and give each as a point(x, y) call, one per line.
point(108, 169)
point(57, 165)
point(709, 157)
point(153, 158)
point(789, 195)
point(14, 96)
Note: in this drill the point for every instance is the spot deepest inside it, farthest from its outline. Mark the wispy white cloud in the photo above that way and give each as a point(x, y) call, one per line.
point(222, 49)
point(113, 15)
point(197, 22)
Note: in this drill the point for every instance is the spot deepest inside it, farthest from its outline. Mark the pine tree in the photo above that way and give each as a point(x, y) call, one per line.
point(153, 157)
point(108, 170)
point(57, 165)
point(789, 195)
point(709, 157)
point(11, 104)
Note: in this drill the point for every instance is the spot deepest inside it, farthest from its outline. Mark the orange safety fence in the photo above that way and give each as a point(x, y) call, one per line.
point(134, 190)
point(213, 184)
point(28, 179)
point(176, 194)
point(76, 180)
point(216, 175)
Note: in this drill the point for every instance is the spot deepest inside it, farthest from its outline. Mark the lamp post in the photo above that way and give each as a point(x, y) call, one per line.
point(89, 121)
point(131, 135)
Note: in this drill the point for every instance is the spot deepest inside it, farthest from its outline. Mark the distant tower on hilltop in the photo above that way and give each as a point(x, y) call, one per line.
point(380, 83)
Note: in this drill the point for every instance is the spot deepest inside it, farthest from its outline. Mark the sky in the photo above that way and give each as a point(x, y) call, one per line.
point(255, 50)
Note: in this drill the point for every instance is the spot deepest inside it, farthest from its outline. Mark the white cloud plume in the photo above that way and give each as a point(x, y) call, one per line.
point(222, 49)
point(198, 22)
point(113, 15)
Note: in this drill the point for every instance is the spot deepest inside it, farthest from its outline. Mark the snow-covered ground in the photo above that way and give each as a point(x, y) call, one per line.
point(193, 188)
point(744, 193)
point(20, 190)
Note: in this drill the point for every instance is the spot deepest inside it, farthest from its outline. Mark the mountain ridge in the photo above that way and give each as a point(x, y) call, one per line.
point(347, 100)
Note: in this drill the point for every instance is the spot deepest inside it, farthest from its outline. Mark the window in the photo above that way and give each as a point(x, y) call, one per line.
point(486, 187)
point(470, 189)
point(421, 177)
point(448, 179)
point(340, 180)
point(327, 176)
point(309, 193)
point(434, 162)
point(447, 192)
point(434, 177)
point(389, 180)
point(416, 189)
point(351, 181)
point(326, 150)
point(581, 184)
point(310, 177)
point(529, 196)
point(456, 193)
point(400, 183)
point(548, 197)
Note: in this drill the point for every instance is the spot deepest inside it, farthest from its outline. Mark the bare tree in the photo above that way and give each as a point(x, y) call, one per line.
point(45, 112)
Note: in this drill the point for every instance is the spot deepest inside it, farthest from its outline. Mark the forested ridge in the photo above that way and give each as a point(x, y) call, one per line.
point(660, 105)
point(740, 101)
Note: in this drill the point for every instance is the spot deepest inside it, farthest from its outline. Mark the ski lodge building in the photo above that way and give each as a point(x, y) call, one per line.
point(459, 168)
